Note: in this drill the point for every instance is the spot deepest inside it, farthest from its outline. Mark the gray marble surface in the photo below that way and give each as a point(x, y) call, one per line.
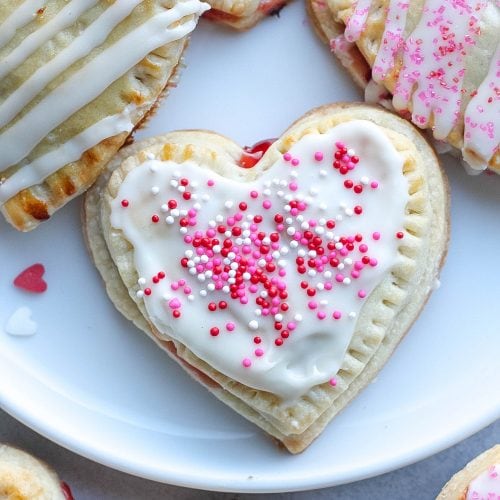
point(91, 481)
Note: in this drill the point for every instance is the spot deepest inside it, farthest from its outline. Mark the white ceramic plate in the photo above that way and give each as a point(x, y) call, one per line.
point(91, 382)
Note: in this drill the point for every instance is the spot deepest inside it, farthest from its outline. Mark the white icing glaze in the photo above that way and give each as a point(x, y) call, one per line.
point(315, 349)
point(486, 486)
point(19, 138)
point(432, 70)
point(39, 169)
point(482, 119)
point(20, 323)
point(23, 15)
point(66, 17)
point(88, 40)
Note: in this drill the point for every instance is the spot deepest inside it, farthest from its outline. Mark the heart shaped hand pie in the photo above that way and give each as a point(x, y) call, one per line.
point(242, 15)
point(75, 79)
point(283, 287)
point(434, 62)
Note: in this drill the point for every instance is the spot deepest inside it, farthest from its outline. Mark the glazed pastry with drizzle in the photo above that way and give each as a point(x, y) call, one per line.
point(478, 480)
point(436, 63)
point(76, 78)
point(281, 276)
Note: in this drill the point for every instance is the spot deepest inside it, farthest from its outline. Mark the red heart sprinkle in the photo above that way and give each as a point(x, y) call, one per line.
point(31, 279)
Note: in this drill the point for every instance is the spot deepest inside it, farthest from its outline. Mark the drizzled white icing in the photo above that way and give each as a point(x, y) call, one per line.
point(19, 18)
point(35, 172)
point(82, 87)
point(431, 78)
point(319, 326)
point(486, 486)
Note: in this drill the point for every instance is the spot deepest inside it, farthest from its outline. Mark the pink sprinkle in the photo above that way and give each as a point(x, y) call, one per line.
point(321, 315)
point(318, 156)
point(254, 194)
point(267, 204)
point(374, 184)
point(287, 156)
point(174, 286)
point(291, 325)
point(246, 363)
point(174, 304)
point(293, 186)
point(312, 304)
point(230, 326)
point(188, 239)
point(337, 314)
point(187, 290)
point(259, 352)
point(340, 145)
point(295, 162)
point(210, 183)
point(355, 274)
point(358, 265)
point(333, 382)
point(362, 294)
point(376, 235)
point(363, 248)
point(328, 285)
point(373, 262)
point(339, 278)
point(181, 282)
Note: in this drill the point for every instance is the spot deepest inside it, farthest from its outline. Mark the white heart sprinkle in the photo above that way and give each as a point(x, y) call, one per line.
point(20, 323)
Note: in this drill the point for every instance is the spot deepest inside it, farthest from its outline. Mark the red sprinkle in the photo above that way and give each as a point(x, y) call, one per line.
point(31, 279)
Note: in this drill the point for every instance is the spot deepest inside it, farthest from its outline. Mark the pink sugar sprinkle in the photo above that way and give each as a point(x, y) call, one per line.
point(267, 204)
point(340, 144)
point(321, 315)
point(287, 156)
point(339, 278)
point(337, 314)
point(259, 352)
point(293, 186)
point(373, 262)
point(363, 248)
point(328, 285)
point(358, 265)
point(181, 282)
point(210, 183)
point(312, 304)
point(376, 235)
point(362, 294)
point(318, 156)
point(230, 326)
point(187, 290)
point(355, 274)
point(174, 304)
point(333, 382)
point(291, 325)
point(188, 239)
point(254, 194)
point(374, 184)
point(246, 363)
point(295, 162)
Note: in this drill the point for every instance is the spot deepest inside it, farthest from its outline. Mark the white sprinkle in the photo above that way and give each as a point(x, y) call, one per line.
point(181, 189)
point(350, 152)
point(174, 183)
point(323, 206)
point(164, 208)
point(281, 263)
point(166, 296)
point(311, 273)
point(192, 270)
point(258, 312)
point(323, 302)
point(150, 156)
point(266, 192)
point(340, 266)
point(301, 252)
point(228, 204)
point(231, 281)
point(189, 253)
point(203, 293)
point(211, 287)
point(261, 262)
point(276, 254)
point(263, 294)
point(196, 206)
point(289, 220)
point(228, 233)
point(290, 231)
point(212, 224)
point(320, 286)
point(239, 241)
point(294, 174)
point(278, 317)
point(313, 191)
point(227, 261)
point(204, 259)
point(190, 297)
point(287, 208)
point(330, 235)
point(365, 180)
point(155, 190)
point(253, 324)
point(216, 248)
point(175, 212)
point(349, 212)
point(347, 281)
point(266, 240)
point(300, 218)
point(284, 250)
point(327, 274)
point(267, 184)
point(298, 317)
point(319, 230)
point(304, 225)
point(283, 183)
point(201, 277)
point(294, 244)
point(339, 217)
point(183, 212)
point(352, 315)
point(225, 288)
point(177, 174)
point(197, 259)
point(246, 276)
point(205, 197)
point(339, 245)
point(141, 281)
point(209, 273)
point(194, 184)
point(348, 261)
point(139, 294)
point(312, 253)
point(323, 173)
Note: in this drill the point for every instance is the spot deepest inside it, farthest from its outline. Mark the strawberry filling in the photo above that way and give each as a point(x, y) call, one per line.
point(66, 491)
point(267, 7)
point(253, 154)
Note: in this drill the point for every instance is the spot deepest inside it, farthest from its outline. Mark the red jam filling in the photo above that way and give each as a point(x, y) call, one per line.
point(253, 154)
point(66, 491)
